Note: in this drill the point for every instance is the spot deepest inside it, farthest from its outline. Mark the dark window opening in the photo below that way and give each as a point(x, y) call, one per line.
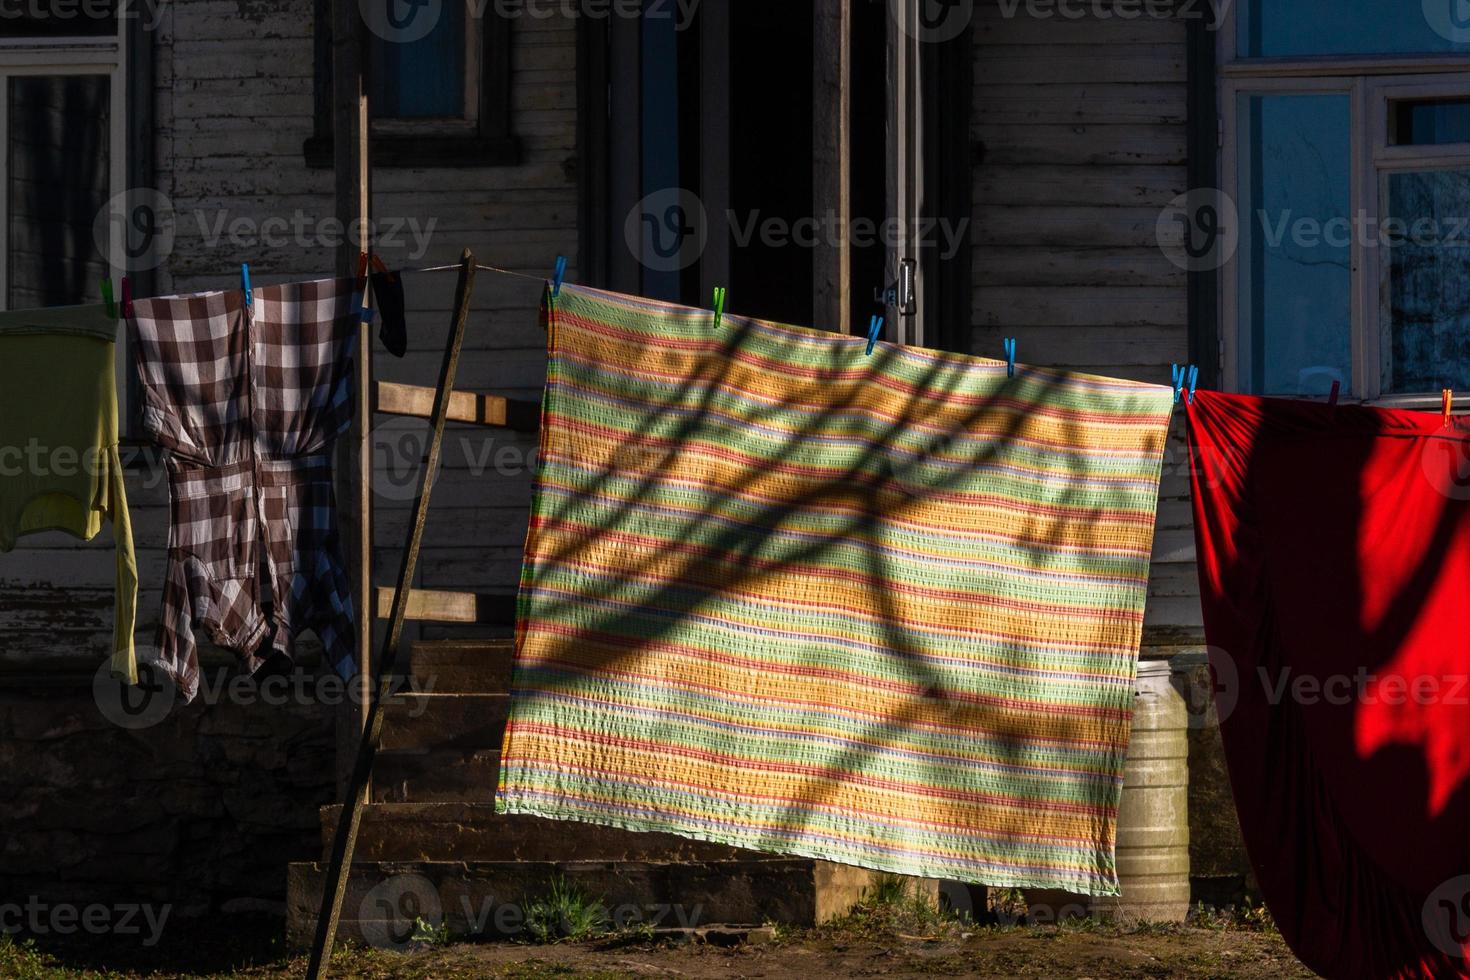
point(438, 85)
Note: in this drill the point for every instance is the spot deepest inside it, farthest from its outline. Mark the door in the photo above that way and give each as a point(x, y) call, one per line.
point(783, 152)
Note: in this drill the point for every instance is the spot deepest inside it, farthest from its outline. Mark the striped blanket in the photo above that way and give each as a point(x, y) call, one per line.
point(882, 610)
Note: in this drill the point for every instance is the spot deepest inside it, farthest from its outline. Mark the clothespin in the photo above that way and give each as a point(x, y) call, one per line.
point(1010, 344)
point(1178, 382)
point(360, 284)
point(1332, 396)
point(1447, 400)
point(875, 327)
point(1193, 380)
point(719, 305)
point(127, 297)
point(108, 300)
point(561, 272)
point(245, 284)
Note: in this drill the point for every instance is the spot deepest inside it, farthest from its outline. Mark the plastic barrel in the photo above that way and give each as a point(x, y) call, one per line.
point(1153, 815)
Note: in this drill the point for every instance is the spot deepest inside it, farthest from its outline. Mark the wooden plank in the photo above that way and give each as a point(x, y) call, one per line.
point(462, 608)
point(1109, 103)
point(1080, 306)
point(1071, 227)
point(1059, 186)
point(433, 607)
point(1098, 345)
point(417, 401)
point(1094, 145)
point(1062, 63)
point(1046, 265)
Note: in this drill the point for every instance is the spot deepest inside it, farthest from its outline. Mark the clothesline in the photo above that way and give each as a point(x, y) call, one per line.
point(1185, 376)
point(482, 268)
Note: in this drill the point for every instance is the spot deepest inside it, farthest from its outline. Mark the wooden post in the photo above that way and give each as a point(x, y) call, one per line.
point(344, 842)
point(714, 153)
point(831, 163)
point(352, 172)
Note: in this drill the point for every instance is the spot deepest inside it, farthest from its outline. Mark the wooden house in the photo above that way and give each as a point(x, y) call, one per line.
point(1121, 185)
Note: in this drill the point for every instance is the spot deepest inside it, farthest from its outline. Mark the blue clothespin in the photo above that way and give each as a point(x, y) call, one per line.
point(874, 329)
point(1010, 357)
point(245, 283)
point(719, 305)
point(561, 273)
point(108, 300)
point(1193, 380)
point(1178, 382)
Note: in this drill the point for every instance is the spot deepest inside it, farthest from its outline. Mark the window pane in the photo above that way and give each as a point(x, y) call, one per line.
point(1295, 289)
point(1283, 28)
point(1426, 315)
point(1429, 123)
point(418, 67)
point(57, 185)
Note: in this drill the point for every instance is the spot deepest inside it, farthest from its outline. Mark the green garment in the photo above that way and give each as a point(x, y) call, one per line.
point(59, 464)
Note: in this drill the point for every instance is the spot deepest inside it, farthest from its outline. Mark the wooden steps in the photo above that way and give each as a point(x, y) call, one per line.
point(475, 832)
point(441, 744)
point(487, 900)
point(463, 666)
point(431, 845)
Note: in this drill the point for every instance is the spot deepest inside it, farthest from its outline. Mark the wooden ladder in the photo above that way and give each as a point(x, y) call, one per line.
point(441, 404)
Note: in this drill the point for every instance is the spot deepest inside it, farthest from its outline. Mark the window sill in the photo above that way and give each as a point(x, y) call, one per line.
point(424, 151)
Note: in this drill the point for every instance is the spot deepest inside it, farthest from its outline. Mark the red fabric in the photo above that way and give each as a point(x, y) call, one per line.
point(1334, 555)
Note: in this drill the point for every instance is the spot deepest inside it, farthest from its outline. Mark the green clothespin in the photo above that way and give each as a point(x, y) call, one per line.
point(719, 305)
point(107, 298)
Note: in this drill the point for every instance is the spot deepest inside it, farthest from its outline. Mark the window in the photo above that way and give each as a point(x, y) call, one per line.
point(1346, 148)
point(438, 85)
point(62, 113)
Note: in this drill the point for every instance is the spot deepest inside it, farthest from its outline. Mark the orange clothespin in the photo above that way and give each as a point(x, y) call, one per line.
point(1447, 399)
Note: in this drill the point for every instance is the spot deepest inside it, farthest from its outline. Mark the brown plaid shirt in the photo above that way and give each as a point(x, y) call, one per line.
point(248, 402)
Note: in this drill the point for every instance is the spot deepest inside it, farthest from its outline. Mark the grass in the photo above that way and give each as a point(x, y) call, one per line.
point(1252, 917)
point(891, 909)
point(23, 961)
point(566, 914)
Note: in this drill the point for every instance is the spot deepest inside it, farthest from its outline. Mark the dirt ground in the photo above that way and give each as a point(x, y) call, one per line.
point(863, 946)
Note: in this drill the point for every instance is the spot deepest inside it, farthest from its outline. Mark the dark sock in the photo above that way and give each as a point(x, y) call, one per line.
point(388, 297)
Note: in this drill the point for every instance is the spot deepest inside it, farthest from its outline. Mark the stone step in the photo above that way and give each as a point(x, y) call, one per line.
point(442, 776)
point(475, 832)
point(491, 899)
point(439, 722)
point(462, 666)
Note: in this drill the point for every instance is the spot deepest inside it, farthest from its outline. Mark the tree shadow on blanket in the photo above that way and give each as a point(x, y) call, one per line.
point(636, 554)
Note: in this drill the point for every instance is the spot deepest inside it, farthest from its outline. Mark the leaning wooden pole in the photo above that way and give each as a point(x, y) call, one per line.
point(334, 884)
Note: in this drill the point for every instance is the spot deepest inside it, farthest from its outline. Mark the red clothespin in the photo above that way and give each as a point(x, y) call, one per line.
point(1336, 388)
point(362, 269)
point(127, 297)
point(1447, 399)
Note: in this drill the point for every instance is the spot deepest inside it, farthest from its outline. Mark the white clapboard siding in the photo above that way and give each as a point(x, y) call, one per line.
point(1080, 127)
